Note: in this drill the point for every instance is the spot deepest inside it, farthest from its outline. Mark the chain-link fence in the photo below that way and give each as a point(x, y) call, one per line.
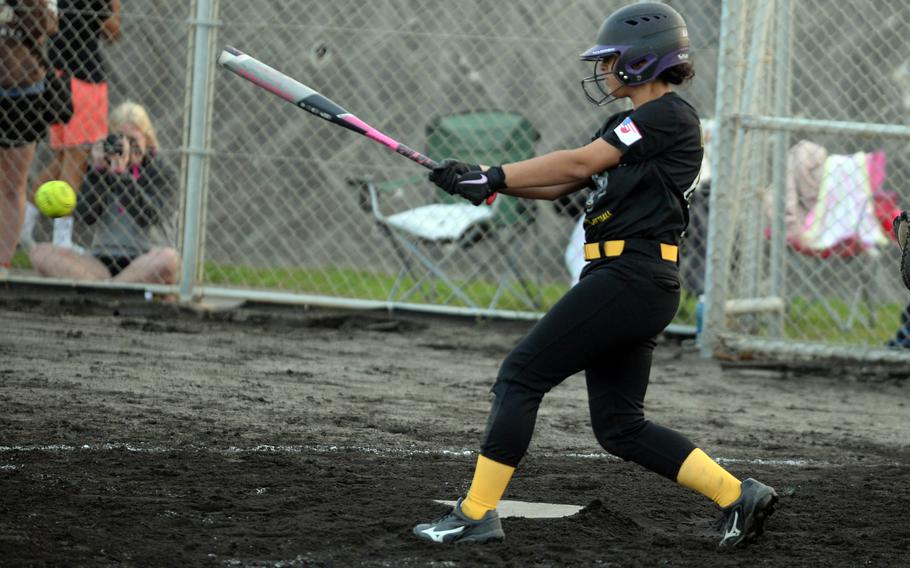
point(810, 168)
point(101, 88)
point(804, 104)
point(479, 80)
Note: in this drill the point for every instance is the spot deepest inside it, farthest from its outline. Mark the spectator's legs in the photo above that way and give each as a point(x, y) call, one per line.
point(60, 262)
point(73, 163)
point(50, 172)
point(14, 164)
point(72, 169)
point(69, 166)
point(157, 266)
point(73, 141)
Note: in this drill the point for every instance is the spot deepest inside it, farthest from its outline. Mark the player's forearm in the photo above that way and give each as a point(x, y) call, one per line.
point(554, 169)
point(549, 192)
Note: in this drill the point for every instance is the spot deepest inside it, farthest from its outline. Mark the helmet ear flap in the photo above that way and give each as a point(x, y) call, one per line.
point(635, 68)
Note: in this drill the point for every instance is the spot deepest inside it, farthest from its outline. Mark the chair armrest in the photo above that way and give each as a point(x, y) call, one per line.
point(386, 185)
point(369, 191)
point(363, 196)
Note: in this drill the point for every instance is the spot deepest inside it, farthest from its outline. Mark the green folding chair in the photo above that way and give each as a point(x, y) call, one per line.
point(431, 238)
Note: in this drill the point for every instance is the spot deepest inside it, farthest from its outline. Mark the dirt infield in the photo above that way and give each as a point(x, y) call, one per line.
point(145, 434)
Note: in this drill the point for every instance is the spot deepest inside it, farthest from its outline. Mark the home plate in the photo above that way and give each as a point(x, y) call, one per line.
point(529, 510)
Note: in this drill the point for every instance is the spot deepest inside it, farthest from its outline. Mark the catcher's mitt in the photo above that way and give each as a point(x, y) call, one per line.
point(902, 232)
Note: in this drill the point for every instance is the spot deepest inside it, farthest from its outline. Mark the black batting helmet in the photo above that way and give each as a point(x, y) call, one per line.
point(647, 37)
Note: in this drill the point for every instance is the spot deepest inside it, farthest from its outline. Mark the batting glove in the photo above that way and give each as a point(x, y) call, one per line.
point(448, 171)
point(477, 186)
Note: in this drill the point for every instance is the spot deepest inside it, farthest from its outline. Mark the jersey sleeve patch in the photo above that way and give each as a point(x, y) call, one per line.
point(627, 132)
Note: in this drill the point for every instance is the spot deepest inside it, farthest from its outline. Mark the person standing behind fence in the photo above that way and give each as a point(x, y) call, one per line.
point(130, 193)
point(902, 234)
point(640, 171)
point(24, 27)
point(75, 50)
point(901, 226)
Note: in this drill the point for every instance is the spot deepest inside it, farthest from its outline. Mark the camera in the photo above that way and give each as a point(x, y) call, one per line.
point(113, 144)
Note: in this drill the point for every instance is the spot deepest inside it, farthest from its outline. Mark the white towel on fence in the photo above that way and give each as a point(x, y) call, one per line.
point(845, 207)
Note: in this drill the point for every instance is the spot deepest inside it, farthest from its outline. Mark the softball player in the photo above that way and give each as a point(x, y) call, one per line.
point(640, 169)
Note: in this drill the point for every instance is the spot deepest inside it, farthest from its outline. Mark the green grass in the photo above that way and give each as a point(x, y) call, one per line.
point(20, 260)
point(686, 312)
point(810, 320)
point(372, 286)
point(805, 320)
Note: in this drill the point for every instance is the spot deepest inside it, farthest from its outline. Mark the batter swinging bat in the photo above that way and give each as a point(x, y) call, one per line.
point(313, 102)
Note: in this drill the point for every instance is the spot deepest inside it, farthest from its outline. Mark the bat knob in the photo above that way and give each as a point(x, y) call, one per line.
point(227, 54)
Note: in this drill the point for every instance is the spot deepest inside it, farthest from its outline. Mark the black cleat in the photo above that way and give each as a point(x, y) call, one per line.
point(744, 520)
point(454, 526)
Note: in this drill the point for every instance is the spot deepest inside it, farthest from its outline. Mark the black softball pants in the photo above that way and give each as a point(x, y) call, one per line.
point(605, 325)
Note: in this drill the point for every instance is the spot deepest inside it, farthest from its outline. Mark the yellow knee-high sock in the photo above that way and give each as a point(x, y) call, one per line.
point(700, 473)
point(490, 481)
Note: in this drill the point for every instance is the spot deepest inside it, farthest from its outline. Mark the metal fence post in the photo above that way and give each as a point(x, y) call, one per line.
point(782, 55)
point(745, 158)
point(198, 137)
point(717, 264)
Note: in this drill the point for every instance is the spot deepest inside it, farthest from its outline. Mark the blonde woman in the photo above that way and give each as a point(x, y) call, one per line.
point(129, 195)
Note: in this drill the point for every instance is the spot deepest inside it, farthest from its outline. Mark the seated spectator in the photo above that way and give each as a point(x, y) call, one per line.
point(75, 51)
point(130, 196)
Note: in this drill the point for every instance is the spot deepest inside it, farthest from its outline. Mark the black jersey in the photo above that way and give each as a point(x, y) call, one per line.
point(646, 195)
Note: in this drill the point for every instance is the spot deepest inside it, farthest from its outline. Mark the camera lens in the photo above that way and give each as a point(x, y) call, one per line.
point(113, 144)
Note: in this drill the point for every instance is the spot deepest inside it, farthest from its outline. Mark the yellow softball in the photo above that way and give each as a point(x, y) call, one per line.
point(55, 198)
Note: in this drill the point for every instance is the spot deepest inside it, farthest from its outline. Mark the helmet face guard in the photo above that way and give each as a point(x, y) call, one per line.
point(595, 85)
point(646, 38)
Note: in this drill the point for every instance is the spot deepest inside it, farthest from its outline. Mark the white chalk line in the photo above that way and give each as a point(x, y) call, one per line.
point(388, 452)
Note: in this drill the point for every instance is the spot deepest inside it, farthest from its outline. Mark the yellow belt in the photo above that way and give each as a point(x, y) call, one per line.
point(608, 249)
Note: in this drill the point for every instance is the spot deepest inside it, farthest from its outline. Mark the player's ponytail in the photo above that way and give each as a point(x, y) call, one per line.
point(678, 74)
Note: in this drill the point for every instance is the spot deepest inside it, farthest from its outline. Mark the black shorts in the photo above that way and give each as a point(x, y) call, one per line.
point(21, 120)
point(115, 264)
